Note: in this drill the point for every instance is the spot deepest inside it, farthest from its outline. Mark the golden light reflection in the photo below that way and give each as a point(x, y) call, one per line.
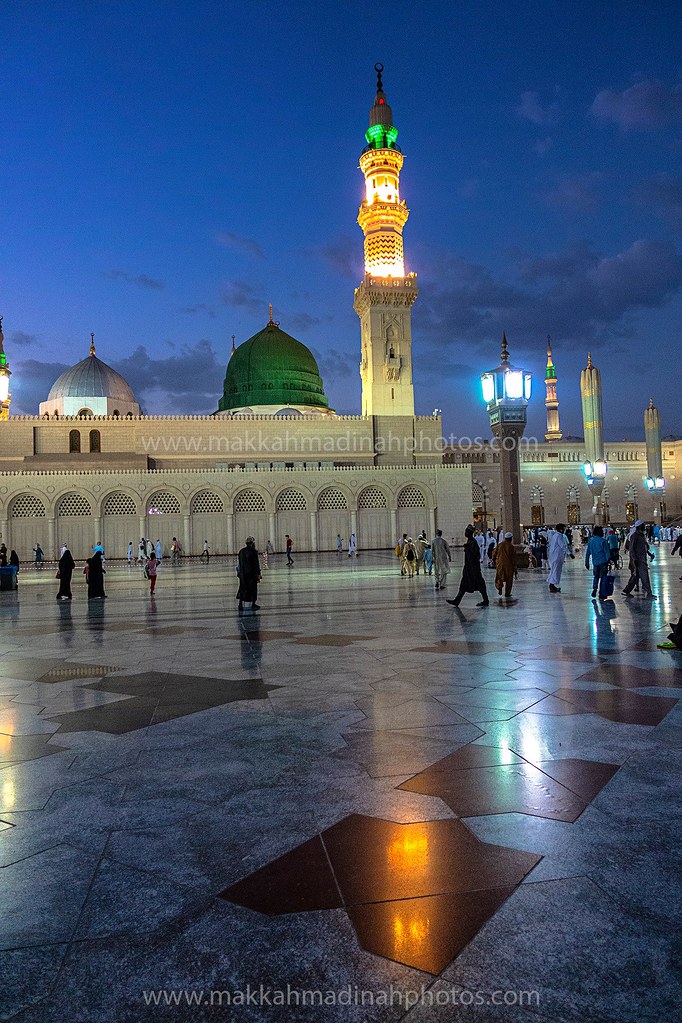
point(5, 743)
point(410, 930)
point(8, 795)
point(410, 852)
point(8, 723)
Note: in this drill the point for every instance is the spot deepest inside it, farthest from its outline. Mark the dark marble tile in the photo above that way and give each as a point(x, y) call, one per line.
point(157, 697)
point(615, 705)
point(17, 749)
point(299, 881)
point(377, 860)
point(584, 777)
point(513, 788)
point(472, 755)
point(426, 933)
point(630, 676)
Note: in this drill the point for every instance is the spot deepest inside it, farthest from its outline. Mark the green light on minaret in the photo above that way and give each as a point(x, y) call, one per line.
point(380, 136)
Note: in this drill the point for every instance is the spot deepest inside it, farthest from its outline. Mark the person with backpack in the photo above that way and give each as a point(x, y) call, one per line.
point(599, 551)
point(150, 571)
point(410, 557)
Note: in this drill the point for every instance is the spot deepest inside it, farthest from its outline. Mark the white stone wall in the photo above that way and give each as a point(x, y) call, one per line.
point(224, 506)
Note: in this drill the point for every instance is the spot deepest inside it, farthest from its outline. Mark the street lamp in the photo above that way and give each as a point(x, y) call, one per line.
point(656, 485)
point(506, 392)
point(595, 477)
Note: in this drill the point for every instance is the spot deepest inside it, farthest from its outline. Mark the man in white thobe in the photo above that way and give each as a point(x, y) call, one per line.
point(557, 550)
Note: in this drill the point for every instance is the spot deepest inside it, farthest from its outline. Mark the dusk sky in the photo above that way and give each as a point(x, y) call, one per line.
point(167, 169)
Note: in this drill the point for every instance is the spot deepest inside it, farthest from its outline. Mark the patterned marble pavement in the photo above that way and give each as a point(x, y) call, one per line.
point(355, 790)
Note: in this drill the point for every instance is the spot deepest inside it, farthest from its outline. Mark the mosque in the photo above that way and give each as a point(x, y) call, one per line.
point(275, 458)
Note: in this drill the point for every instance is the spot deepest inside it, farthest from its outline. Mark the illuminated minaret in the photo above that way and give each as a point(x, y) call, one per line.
point(5, 374)
point(652, 432)
point(551, 401)
point(595, 467)
point(385, 296)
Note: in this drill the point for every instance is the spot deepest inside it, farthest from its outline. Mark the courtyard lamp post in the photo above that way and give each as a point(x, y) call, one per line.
point(506, 392)
point(656, 486)
point(595, 477)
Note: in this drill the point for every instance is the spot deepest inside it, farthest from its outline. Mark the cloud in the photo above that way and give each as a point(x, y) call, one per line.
point(21, 339)
point(576, 294)
point(344, 257)
point(335, 365)
point(533, 110)
point(243, 295)
point(142, 281)
point(201, 307)
point(192, 370)
point(31, 382)
point(576, 194)
point(235, 241)
point(645, 105)
point(302, 321)
point(664, 193)
point(543, 146)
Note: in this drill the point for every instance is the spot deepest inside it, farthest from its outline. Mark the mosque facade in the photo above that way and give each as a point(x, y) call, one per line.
point(275, 458)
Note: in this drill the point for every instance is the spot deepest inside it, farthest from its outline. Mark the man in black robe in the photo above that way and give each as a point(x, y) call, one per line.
point(66, 567)
point(249, 575)
point(472, 579)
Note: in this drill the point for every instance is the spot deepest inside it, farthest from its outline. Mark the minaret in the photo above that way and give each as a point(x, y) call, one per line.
point(5, 374)
point(652, 432)
point(593, 426)
point(551, 401)
point(385, 296)
point(593, 420)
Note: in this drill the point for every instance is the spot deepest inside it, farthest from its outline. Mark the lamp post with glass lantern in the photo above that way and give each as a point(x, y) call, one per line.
point(506, 392)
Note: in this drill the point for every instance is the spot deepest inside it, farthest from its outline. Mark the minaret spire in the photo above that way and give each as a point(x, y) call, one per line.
point(652, 432)
point(92, 344)
point(553, 432)
point(385, 316)
point(5, 374)
point(233, 349)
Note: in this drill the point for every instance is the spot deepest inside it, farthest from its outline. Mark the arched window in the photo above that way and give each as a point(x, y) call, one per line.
point(84, 413)
point(95, 441)
point(74, 441)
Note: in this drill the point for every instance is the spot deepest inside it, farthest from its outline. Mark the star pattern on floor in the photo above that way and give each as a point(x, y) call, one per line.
point(480, 780)
point(155, 697)
point(415, 893)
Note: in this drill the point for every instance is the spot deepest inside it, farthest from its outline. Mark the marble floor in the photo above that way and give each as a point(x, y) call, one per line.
point(357, 803)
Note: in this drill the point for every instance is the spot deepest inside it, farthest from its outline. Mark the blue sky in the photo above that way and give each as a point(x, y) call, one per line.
point(167, 169)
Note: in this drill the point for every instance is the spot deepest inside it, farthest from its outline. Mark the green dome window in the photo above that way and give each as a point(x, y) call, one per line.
point(272, 368)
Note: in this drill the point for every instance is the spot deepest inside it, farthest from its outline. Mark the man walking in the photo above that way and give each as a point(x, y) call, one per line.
point(557, 550)
point(639, 552)
point(505, 565)
point(472, 580)
point(290, 544)
point(441, 558)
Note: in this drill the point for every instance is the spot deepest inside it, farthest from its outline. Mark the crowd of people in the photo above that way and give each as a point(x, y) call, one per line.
point(603, 550)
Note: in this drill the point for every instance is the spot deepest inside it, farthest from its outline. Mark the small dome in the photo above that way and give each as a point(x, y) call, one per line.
point(273, 369)
point(92, 378)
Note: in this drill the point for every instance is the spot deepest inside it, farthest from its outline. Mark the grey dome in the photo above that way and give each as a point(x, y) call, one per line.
point(91, 378)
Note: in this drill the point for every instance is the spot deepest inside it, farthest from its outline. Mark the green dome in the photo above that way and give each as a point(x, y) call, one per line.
point(272, 368)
